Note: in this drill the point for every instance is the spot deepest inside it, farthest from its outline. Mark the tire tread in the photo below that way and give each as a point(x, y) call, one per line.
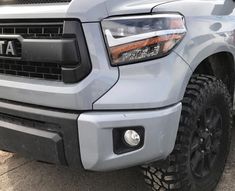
point(173, 175)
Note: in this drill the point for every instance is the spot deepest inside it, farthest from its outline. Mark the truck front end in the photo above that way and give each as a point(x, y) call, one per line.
point(90, 84)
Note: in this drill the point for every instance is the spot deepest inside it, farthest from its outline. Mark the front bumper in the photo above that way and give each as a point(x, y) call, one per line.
point(74, 139)
point(96, 143)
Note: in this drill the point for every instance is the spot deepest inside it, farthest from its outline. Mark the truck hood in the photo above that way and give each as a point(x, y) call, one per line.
point(85, 10)
point(95, 10)
point(121, 7)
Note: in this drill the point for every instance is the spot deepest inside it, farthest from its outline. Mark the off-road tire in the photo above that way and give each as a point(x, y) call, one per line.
point(176, 173)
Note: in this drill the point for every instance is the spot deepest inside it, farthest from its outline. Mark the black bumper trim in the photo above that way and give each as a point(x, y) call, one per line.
point(33, 143)
point(43, 134)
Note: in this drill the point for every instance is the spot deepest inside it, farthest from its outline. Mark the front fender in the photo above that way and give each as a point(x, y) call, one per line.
point(210, 28)
point(148, 85)
point(197, 46)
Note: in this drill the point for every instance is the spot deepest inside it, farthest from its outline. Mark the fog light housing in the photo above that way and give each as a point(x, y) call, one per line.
point(132, 138)
point(128, 139)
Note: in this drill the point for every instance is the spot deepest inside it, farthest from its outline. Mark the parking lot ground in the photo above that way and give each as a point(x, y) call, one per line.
point(20, 174)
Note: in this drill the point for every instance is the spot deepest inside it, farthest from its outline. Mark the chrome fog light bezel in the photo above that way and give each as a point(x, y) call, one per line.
point(132, 138)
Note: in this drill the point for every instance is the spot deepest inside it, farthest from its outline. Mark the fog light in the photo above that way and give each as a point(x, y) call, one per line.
point(132, 138)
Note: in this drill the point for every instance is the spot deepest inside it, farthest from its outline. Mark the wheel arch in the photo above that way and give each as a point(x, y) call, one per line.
point(221, 65)
point(218, 61)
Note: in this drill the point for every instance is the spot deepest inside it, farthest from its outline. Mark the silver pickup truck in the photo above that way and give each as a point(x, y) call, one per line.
point(109, 84)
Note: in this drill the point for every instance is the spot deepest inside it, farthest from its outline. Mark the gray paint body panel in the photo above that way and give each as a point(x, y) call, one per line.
point(86, 11)
point(96, 144)
point(153, 84)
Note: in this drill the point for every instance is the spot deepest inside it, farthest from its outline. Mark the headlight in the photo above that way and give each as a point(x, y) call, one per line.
point(133, 39)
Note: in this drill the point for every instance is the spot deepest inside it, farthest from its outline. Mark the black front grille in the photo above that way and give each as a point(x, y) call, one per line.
point(39, 70)
point(46, 49)
point(12, 2)
point(47, 71)
point(31, 31)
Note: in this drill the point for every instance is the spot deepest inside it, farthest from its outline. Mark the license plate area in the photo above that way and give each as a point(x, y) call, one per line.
point(10, 48)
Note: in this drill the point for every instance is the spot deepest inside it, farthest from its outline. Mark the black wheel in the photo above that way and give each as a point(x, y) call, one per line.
point(203, 140)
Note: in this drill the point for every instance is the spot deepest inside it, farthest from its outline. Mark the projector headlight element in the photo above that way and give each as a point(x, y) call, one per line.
point(133, 39)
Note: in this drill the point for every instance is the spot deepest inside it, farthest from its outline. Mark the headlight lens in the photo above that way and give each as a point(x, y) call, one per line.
point(133, 39)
